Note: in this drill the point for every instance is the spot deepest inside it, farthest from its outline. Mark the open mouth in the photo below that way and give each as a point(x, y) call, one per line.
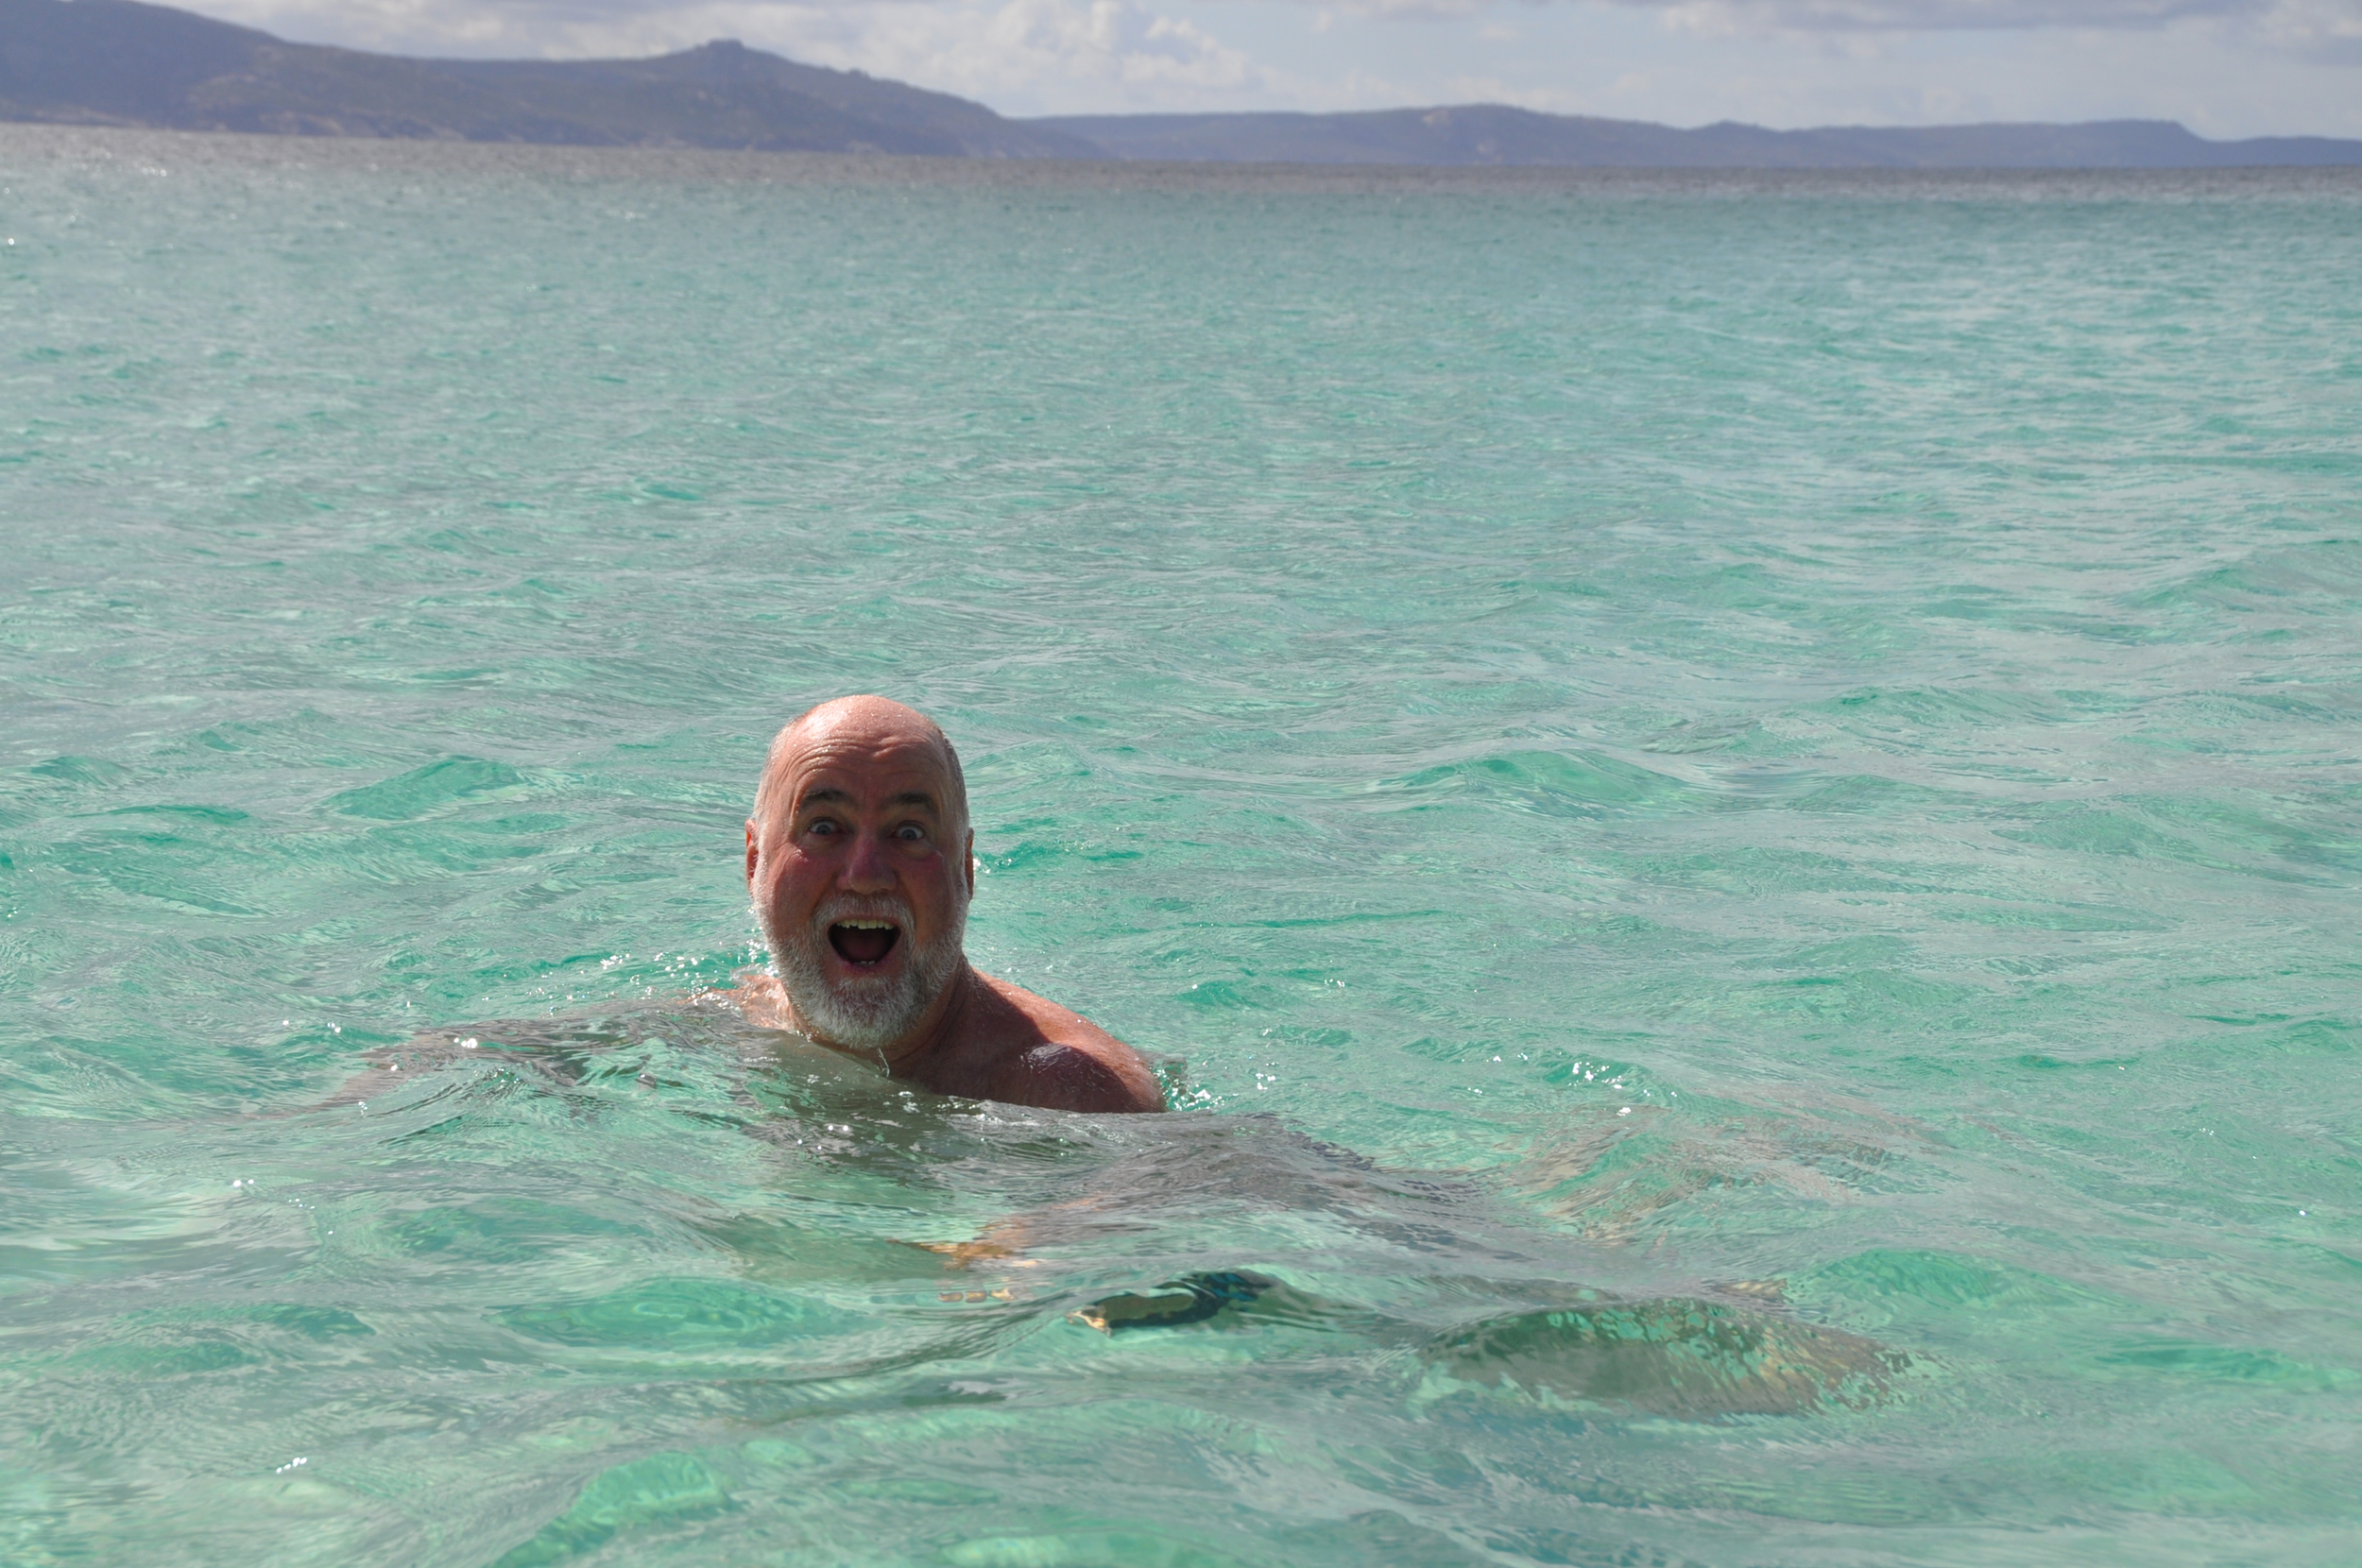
point(864, 943)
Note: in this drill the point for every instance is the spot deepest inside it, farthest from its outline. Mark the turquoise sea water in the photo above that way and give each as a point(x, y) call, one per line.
point(1733, 804)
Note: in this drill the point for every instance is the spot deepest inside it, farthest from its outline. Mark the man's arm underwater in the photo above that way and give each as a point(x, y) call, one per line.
point(550, 1048)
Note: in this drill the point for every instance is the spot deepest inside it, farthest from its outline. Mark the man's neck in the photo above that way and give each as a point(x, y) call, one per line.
point(936, 1033)
point(939, 1029)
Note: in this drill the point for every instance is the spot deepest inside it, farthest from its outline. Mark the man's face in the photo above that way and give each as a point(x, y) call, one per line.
point(860, 879)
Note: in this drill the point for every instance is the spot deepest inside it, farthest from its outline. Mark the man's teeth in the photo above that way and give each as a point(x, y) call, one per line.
point(868, 925)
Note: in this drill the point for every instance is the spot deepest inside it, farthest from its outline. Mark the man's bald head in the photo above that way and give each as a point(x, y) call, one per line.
point(869, 722)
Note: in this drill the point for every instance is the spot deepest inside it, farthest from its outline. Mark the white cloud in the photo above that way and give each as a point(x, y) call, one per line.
point(1465, 88)
point(2318, 28)
point(2300, 23)
point(1061, 49)
point(2314, 29)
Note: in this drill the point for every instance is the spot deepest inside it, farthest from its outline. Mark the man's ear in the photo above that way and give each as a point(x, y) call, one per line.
point(754, 850)
point(970, 849)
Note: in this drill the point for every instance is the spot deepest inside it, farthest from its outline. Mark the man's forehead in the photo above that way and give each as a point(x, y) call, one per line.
point(861, 765)
point(863, 723)
point(863, 748)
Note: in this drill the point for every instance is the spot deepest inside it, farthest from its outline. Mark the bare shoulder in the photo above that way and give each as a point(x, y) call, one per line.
point(1061, 1061)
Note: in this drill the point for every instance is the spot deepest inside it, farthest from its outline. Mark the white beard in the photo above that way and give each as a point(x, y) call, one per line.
point(864, 1013)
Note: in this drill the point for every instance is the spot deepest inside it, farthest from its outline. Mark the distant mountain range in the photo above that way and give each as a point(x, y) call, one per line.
point(1494, 134)
point(120, 62)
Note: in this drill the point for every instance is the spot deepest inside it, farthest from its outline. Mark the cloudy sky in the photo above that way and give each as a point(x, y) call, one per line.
point(2225, 68)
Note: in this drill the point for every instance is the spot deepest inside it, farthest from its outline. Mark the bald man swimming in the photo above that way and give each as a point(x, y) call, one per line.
point(862, 865)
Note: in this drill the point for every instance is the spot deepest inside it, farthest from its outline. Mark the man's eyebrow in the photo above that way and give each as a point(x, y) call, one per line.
point(844, 797)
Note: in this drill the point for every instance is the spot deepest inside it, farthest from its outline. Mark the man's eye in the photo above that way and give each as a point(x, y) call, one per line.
point(824, 826)
point(911, 833)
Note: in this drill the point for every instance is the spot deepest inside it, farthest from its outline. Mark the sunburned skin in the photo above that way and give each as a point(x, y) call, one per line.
point(860, 866)
point(997, 1041)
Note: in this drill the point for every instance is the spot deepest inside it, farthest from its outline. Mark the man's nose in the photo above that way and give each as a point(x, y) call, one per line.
point(868, 869)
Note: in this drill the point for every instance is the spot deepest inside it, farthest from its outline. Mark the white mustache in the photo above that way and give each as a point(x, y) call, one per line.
point(846, 907)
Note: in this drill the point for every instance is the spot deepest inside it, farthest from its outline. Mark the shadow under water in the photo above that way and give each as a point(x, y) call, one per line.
point(1201, 1222)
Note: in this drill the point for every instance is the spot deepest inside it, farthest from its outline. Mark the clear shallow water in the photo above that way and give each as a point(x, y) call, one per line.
point(1617, 736)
